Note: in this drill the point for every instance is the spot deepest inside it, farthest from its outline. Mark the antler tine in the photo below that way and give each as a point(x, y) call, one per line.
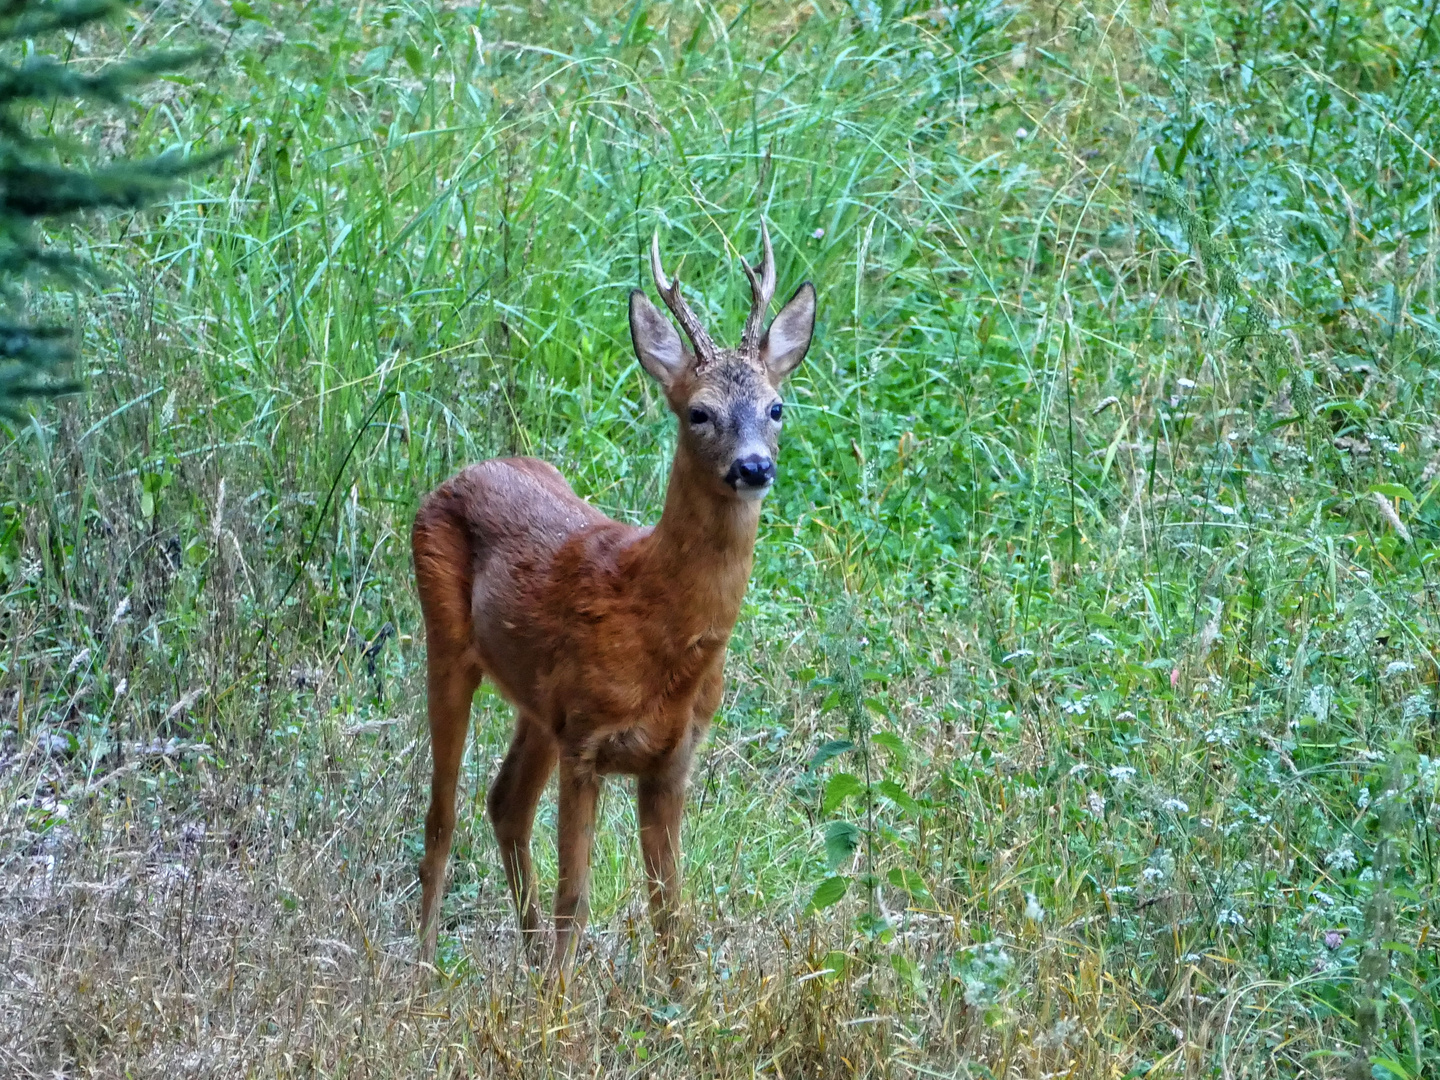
point(705, 350)
point(762, 291)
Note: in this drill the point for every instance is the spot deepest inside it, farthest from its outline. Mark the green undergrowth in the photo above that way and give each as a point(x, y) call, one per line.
point(1082, 715)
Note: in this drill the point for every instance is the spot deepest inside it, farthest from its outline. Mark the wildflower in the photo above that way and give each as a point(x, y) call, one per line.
point(1122, 774)
point(818, 234)
point(1096, 803)
point(1152, 874)
point(1334, 939)
point(79, 660)
point(1342, 859)
point(1175, 806)
point(1389, 513)
point(1033, 911)
point(1229, 917)
point(1398, 667)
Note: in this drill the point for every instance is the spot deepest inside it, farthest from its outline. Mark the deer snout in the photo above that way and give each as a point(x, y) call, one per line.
point(752, 474)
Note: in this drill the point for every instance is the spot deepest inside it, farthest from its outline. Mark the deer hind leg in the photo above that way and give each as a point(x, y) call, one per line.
point(661, 804)
point(443, 573)
point(513, 798)
point(579, 792)
point(452, 680)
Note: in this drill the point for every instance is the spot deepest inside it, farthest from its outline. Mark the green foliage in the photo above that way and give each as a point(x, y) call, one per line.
point(1082, 719)
point(37, 183)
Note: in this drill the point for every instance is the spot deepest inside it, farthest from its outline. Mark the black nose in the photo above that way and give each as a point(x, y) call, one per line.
point(755, 471)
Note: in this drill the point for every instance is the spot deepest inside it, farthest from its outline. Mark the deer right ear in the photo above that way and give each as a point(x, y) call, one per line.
point(657, 345)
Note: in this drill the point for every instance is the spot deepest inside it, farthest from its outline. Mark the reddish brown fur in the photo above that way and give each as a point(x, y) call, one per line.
point(610, 640)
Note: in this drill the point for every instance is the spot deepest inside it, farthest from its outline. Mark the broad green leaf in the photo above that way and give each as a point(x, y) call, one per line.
point(841, 786)
point(828, 893)
point(899, 796)
point(910, 881)
point(1393, 491)
point(831, 749)
point(893, 743)
point(841, 840)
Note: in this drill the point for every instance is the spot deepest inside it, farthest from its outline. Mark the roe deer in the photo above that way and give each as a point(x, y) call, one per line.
point(608, 639)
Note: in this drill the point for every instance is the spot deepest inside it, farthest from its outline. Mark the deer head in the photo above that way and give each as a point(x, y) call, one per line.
point(727, 400)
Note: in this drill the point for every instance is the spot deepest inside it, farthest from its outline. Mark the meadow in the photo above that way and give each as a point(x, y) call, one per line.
point(1082, 718)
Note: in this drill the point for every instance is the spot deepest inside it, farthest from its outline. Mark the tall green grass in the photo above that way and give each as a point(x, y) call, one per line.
point(1082, 715)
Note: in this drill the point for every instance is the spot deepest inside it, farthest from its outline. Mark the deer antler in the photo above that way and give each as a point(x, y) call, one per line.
point(762, 291)
point(705, 350)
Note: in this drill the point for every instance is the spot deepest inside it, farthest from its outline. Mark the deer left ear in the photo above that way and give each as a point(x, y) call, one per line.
point(788, 339)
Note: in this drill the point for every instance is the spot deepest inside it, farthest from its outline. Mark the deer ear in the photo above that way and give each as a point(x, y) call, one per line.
point(788, 338)
point(657, 345)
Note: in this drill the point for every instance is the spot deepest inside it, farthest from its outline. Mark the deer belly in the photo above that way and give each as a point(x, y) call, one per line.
point(636, 751)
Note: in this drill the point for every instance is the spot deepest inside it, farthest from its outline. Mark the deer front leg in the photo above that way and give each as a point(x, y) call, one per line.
point(579, 792)
point(512, 801)
point(661, 804)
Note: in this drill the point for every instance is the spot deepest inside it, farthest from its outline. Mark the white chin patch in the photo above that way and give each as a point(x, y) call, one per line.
point(753, 494)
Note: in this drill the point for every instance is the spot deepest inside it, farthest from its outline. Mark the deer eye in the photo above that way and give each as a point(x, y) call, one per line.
point(775, 411)
point(699, 416)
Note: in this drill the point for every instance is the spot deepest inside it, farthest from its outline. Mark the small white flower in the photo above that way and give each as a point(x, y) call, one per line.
point(1175, 806)
point(1362, 801)
point(121, 687)
point(1076, 770)
point(1033, 911)
point(818, 234)
point(121, 610)
point(1398, 667)
point(1021, 133)
point(79, 660)
point(1342, 859)
point(1185, 384)
point(1122, 774)
point(1096, 803)
point(1229, 917)
point(1152, 874)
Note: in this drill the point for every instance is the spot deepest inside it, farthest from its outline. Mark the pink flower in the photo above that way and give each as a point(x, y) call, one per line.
point(1174, 678)
point(1334, 939)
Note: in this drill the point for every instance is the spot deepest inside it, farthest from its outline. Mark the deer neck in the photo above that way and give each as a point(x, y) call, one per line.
point(700, 553)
